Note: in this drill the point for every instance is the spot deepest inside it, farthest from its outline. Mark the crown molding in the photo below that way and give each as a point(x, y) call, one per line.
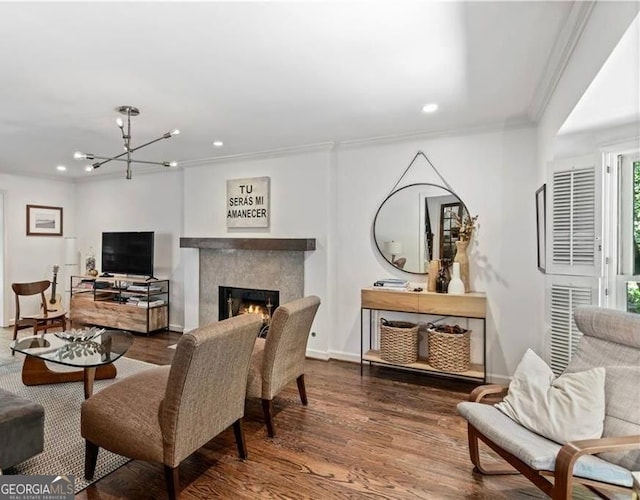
point(563, 47)
point(268, 153)
point(36, 175)
point(521, 122)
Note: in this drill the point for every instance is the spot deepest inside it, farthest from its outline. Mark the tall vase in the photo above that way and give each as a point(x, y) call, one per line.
point(463, 260)
point(434, 267)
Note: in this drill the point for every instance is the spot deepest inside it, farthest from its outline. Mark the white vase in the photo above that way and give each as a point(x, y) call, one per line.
point(456, 286)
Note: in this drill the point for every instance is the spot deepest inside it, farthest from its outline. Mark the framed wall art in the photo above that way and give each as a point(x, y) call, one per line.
point(44, 221)
point(541, 225)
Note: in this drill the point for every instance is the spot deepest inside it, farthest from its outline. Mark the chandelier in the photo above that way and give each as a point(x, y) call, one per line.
point(125, 157)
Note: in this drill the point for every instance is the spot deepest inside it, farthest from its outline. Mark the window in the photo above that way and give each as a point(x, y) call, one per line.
point(626, 282)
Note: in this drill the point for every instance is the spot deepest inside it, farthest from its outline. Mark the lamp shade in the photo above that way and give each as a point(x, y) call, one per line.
point(70, 250)
point(393, 247)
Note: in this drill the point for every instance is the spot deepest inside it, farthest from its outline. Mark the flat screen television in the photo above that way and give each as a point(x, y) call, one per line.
point(128, 253)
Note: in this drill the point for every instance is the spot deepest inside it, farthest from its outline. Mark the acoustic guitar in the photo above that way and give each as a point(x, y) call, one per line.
point(54, 301)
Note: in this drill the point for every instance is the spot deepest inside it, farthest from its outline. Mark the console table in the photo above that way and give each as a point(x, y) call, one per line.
point(470, 305)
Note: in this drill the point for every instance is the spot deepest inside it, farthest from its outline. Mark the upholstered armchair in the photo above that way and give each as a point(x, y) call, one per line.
point(164, 414)
point(611, 339)
point(278, 360)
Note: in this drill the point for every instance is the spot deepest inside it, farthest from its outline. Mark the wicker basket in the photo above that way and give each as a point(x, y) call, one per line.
point(398, 341)
point(450, 352)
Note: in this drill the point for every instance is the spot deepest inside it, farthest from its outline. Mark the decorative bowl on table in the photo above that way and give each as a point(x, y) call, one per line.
point(79, 335)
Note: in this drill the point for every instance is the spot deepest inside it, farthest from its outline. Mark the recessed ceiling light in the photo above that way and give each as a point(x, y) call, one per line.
point(218, 144)
point(429, 108)
point(62, 168)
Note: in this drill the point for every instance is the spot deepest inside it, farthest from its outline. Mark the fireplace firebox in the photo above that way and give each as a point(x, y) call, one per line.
point(233, 301)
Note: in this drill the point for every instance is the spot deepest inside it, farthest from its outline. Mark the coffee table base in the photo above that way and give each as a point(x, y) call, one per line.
point(36, 372)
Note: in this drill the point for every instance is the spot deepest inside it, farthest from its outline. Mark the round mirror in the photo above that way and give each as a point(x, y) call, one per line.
point(418, 223)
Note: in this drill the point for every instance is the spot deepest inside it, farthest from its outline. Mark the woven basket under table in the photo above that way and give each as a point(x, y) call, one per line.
point(399, 342)
point(450, 352)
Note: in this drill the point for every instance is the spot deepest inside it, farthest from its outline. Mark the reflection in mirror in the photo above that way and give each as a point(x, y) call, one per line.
point(416, 224)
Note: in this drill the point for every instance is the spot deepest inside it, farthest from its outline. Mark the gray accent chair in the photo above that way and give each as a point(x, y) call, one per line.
point(21, 429)
point(278, 360)
point(611, 339)
point(165, 414)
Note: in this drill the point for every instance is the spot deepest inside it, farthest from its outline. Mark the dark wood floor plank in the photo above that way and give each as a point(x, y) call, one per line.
point(386, 435)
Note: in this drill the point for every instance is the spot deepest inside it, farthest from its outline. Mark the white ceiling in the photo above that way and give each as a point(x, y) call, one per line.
point(262, 76)
point(613, 97)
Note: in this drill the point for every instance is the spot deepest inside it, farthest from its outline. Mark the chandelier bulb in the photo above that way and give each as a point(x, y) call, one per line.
point(79, 156)
point(88, 168)
point(119, 122)
point(175, 131)
point(173, 163)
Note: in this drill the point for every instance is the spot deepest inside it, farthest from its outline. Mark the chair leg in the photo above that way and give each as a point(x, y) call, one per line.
point(302, 390)
point(474, 455)
point(172, 476)
point(90, 459)
point(239, 433)
point(266, 409)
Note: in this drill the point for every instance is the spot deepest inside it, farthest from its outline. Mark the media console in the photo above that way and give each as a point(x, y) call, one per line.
point(121, 303)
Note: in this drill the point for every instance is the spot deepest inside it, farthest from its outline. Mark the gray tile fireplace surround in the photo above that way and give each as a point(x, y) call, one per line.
point(261, 263)
point(261, 269)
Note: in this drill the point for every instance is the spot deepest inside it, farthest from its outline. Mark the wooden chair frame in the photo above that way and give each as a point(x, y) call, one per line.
point(42, 321)
point(562, 486)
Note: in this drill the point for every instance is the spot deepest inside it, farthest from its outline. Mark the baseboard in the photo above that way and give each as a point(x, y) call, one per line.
point(322, 355)
point(176, 328)
point(498, 379)
point(344, 356)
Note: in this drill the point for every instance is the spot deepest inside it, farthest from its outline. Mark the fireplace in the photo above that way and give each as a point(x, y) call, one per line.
point(233, 301)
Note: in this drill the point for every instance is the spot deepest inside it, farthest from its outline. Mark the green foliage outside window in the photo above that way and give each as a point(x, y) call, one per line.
point(633, 289)
point(636, 215)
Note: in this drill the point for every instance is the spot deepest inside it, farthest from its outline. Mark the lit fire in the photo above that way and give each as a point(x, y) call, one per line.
point(256, 309)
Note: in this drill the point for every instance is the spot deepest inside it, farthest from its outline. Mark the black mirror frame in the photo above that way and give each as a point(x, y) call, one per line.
point(373, 226)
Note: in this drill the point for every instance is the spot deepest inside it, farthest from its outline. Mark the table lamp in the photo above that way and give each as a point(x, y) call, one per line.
point(394, 248)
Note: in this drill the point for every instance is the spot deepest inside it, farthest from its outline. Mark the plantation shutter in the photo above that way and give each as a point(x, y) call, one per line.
point(574, 250)
point(564, 294)
point(574, 216)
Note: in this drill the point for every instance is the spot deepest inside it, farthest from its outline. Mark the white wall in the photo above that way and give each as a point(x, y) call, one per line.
point(147, 202)
point(494, 173)
point(31, 258)
point(300, 194)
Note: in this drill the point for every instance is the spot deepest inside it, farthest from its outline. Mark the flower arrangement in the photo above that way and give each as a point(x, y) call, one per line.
point(466, 225)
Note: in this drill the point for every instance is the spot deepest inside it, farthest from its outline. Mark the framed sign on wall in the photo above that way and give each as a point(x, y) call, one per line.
point(248, 202)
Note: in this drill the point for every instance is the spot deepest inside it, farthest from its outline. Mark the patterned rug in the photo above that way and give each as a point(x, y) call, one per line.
point(63, 446)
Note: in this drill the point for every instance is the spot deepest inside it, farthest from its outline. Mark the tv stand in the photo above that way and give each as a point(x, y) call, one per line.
point(121, 303)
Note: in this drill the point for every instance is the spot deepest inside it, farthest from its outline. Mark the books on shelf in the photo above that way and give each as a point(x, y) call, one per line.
point(150, 303)
point(144, 288)
point(396, 283)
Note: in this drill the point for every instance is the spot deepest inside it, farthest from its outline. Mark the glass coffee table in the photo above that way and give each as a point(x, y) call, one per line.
point(92, 349)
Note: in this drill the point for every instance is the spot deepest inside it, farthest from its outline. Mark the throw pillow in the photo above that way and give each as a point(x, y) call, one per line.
point(563, 409)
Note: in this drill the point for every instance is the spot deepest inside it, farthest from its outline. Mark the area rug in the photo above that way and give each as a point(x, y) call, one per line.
point(63, 446)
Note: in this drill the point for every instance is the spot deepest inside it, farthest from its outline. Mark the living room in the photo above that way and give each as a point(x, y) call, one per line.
point(324, 187)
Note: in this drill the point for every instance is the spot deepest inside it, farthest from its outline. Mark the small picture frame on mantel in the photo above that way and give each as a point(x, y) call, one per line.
point(44, 221)
point(541, 225)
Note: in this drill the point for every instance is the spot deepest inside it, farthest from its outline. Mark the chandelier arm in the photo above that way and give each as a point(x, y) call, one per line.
point(147, 144)
point(127, 161)
point(107, 159)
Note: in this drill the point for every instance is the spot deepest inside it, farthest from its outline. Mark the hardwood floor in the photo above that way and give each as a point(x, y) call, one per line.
point(387, 434)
